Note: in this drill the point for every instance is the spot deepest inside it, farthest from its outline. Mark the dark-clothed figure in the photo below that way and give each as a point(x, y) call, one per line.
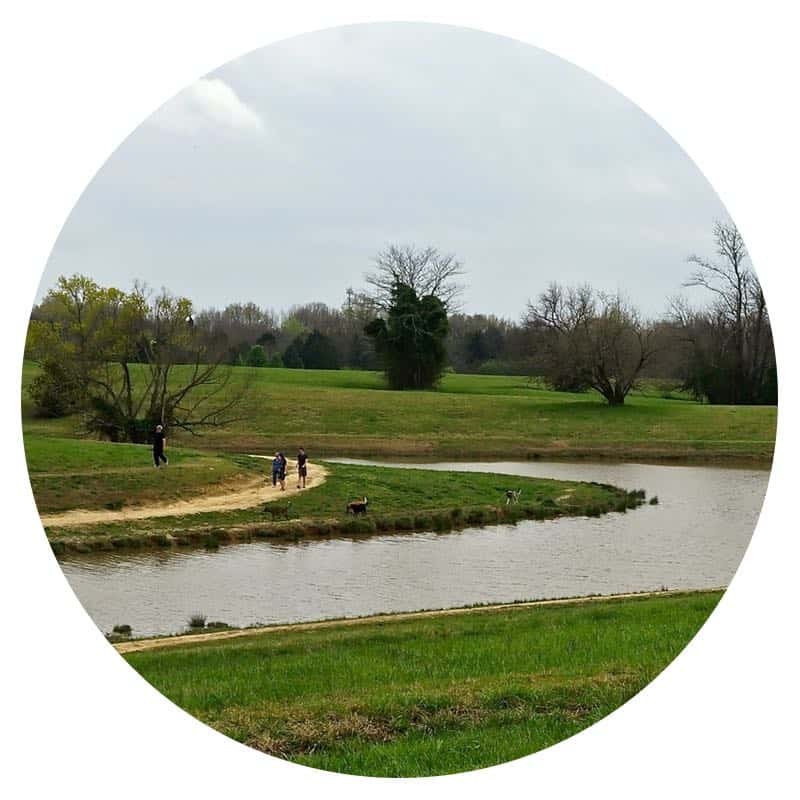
point(276, 468)
point(159, 443)
point(282, 472)
point(302, 467)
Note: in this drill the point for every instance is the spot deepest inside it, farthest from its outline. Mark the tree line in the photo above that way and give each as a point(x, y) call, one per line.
point(114, 355)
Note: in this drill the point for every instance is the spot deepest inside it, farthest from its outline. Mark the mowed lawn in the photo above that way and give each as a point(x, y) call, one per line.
point(348, 412)
point(428, 696)
point(82, 473)
point(413, 494)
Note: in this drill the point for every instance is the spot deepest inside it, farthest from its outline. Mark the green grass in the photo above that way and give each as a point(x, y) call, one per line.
point(348, 412)
point(81, 473)
point(428, 696)
point(424, 496)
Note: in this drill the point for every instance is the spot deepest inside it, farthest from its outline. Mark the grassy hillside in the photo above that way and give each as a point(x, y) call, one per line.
point(400, 499)
point(428, 696)
point(349, 412)
point(80, 473)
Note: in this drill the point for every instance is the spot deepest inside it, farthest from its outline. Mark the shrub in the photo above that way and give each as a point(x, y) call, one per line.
point(441, 522)
point(404, 523)
point(476, 516)
point(58, 548)
point(197, 621)
point(423, 522)
point(654, 500)
point(125, 630)
point(114, 505)
point(211, 542)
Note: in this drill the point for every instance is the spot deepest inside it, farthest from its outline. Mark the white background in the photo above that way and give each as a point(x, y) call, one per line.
point(77, 77)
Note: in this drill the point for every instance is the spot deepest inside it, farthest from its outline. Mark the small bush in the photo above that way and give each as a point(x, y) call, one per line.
point(404, 523)
point(114, 505)
point(160, 539)
point(423, 522)
point(197, 621)
point(217, 625)
point(654, 500)
point(58, 548)
point(383, 523)
point(457, 513)
point(441, 522)
point(124, 630)
point(476, 516)
point(211, 542)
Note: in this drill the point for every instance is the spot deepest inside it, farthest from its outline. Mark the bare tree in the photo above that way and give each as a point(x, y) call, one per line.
point(732, 339)
point(425, 270)
point(591, 340)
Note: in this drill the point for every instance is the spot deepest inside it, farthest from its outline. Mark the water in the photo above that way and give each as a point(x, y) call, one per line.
point(694, 538)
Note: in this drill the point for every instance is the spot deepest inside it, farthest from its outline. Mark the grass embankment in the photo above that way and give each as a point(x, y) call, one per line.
point(399, 500)
point(81, 473)
point(428, 696)
point(349, 412)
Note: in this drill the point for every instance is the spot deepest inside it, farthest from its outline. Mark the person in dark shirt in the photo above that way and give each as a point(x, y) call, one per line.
point(302, 468)
point(282, 473)
point(159, 442)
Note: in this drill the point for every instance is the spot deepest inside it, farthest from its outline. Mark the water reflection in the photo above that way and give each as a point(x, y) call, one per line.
point(694, 538)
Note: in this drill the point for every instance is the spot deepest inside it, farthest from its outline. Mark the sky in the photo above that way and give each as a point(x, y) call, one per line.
point(277, 177)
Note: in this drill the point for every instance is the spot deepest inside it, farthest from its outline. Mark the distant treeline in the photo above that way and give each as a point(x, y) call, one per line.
point(576, 338)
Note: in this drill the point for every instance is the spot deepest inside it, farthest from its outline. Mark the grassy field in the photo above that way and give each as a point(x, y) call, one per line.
point(428, 696)
point(79, 473)
point(400, 499)
point(349, 412)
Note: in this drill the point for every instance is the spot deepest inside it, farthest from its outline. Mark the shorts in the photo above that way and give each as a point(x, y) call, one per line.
point(302, 471)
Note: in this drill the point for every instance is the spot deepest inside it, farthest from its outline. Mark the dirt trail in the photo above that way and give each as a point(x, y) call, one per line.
point(138, 645)
point(248, 495)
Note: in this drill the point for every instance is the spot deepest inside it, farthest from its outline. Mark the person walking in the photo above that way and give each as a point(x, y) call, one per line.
point(159, 443)
point(302, 467)
point(282, 472)
point(276, 468)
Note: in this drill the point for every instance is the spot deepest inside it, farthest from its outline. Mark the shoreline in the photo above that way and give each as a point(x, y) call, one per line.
point(186, 639)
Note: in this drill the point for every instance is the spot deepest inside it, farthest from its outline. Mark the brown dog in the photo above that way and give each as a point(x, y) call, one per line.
point(357, 506)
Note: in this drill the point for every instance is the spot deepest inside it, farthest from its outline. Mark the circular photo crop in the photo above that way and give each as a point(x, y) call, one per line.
point(399, 399)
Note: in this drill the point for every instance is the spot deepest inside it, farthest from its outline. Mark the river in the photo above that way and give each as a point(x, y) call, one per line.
point(694, 538)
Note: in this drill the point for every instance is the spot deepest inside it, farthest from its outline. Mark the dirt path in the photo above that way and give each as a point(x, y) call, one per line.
point(249, 495)
point(139, 645)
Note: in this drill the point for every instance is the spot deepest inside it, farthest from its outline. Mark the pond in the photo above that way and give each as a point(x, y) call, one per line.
point(694, 538)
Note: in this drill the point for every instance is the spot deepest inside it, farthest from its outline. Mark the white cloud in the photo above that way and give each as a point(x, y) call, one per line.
point(208, 104)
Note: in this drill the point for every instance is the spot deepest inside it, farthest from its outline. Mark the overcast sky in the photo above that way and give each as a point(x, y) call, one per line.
point(277, 177)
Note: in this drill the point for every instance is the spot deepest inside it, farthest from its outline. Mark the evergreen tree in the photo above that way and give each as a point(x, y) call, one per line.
point(410, 341)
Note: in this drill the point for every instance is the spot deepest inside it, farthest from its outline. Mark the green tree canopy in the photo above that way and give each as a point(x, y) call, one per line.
point(114, 356)
point(410, 340)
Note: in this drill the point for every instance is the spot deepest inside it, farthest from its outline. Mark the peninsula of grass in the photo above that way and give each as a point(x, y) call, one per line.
point(428, 696)
point(352, 413)
point(400, 500)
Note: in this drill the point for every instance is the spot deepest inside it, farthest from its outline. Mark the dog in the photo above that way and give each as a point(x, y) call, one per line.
point(512, 496)
point(278, 509)
point(357, 506)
